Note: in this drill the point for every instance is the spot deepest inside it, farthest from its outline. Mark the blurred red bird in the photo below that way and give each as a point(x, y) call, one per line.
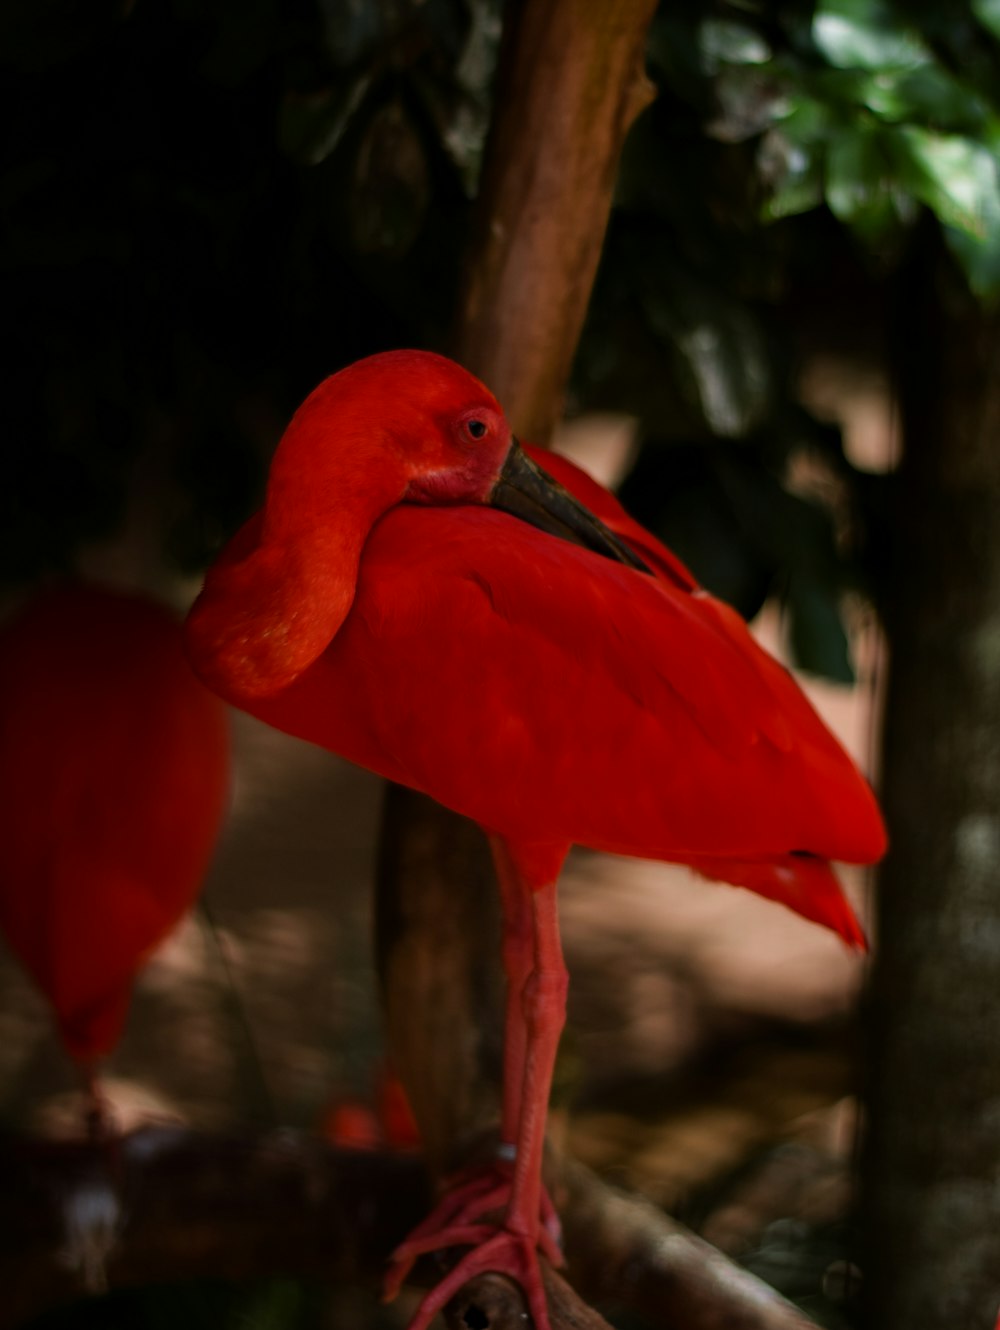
point(114, 771)
point(418, 596)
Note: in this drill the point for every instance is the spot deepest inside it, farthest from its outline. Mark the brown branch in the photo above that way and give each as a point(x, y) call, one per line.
point(624, 1250)
point(438, 931)
point(168, 1204)
point(492, 1302)
point(571, 83)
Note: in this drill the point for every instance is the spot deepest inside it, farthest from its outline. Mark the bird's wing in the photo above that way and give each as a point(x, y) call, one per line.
point(797, 713)
point(551, 694)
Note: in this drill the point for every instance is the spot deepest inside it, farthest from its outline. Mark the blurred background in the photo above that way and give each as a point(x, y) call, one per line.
point(207, 207)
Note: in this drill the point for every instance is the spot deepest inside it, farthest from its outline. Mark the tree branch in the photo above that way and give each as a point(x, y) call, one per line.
point(571, 83)
point(169, 1204)
point(624, 1250)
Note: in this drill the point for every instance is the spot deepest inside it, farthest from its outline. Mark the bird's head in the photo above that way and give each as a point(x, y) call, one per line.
point(429, 420)
point(399, 427)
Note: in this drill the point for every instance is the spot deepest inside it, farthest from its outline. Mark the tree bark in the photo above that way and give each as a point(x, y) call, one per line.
point(933, 1202)
point(438, 951)
point(570, 82)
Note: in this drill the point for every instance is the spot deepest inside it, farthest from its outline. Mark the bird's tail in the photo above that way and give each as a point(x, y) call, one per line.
point(803, 882)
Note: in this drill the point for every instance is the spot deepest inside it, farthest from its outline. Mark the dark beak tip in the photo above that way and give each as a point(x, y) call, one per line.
point(525, 490)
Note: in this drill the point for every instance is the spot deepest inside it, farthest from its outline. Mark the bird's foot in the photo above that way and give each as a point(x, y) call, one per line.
point(499, 1251)
point(471, 1195)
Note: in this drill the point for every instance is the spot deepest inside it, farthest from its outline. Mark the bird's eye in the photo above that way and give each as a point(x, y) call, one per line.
point(476, 428)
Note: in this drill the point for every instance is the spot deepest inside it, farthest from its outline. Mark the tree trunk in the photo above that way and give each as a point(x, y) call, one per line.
point(570, 82)
point(933, 1212)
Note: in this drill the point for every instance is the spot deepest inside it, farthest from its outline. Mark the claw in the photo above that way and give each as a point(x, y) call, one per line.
point(403, 1258)
point(421, 1243)
point(472, 1195)
point(505, 1253)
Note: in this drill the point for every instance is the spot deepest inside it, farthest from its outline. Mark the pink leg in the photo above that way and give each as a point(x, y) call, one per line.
point(457, 1218)
point(544, 1008)
point(512, 1249)
point(518, 947)
point(520, 940)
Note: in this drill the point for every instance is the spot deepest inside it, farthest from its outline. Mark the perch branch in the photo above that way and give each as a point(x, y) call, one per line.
point(169, 1204)
point(622, 1249)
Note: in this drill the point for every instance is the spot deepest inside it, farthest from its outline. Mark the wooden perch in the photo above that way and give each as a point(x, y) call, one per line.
point(166, 1204)
point(621, 1249)
point(492, 1302)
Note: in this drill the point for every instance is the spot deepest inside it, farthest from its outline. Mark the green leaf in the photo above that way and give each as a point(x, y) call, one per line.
point(797, 173)
point(796, 194)
point(937, 97)
point(859, 187)
point(927, 95)
point(862, 34)
point(745, 98)
point(884, 95)
point(979, 258)
point(843, 90)
point(725, 42)
point(803, 119)
point(954, 176)
point(988, 14)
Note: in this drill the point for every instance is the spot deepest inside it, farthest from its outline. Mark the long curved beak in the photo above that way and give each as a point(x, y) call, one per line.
point(526, 491)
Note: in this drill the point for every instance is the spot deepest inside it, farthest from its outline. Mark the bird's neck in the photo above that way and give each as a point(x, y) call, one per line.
point(279, 595)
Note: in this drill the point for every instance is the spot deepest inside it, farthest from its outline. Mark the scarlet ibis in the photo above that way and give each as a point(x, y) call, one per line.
point(420, 597)
point(114, 766)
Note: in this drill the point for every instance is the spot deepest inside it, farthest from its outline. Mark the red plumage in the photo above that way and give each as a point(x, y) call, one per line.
point(555, 692)
point(114, 766)
point(561, 668)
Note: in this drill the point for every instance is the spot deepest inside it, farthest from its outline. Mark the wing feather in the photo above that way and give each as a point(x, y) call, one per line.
point(549, 693)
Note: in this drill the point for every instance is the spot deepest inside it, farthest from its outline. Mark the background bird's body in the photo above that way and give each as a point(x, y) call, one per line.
point(113, 779)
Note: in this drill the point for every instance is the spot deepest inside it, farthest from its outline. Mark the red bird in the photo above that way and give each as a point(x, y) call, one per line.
point(114, 770)
point(420, 597)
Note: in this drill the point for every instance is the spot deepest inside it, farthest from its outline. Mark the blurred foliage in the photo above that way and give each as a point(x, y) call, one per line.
point(880, 109)
point(777, 120)
point(208, 205)
point(693, 329)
